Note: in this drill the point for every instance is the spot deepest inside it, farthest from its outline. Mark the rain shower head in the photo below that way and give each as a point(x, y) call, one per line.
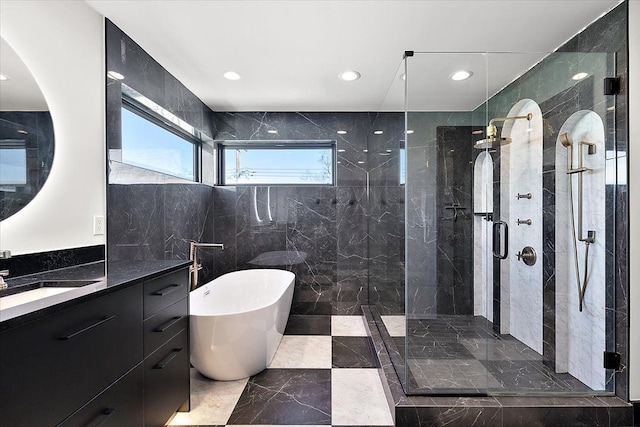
point(493, 140)
point(565, 140)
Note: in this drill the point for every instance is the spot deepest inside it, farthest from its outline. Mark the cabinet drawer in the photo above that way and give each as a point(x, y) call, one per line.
point(166, 380)
point(164, 325)
point(166, 290)
point(119, 405)
point(65, 359)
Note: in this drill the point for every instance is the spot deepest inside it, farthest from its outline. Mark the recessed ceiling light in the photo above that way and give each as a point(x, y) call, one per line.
point(409, 131)
point(341, 150)
point(461, 75)
point(378, 132)
point(273, 131)
point(231, 75)
point(349, 75)
point(24, 132)
point(4, 77)
point(341, 132)
point(365, 151)
point(361, 162)
point(388, 151)
point(579, 76)
point(115, 75)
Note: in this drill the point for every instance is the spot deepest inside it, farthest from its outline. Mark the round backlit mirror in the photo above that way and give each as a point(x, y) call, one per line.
point(26, 134)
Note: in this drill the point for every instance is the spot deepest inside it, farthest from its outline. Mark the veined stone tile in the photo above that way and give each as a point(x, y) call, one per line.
point(285, 396)
point(347, 326)
point(304, 352)
point(396, 325)
point(357, 398)
point(212, 402)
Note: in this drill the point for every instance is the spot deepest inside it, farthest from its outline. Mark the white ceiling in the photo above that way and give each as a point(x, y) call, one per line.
point(289, 53)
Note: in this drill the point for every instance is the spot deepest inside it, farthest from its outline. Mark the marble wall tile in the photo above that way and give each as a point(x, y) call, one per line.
point(135, 222)
point(154, 221)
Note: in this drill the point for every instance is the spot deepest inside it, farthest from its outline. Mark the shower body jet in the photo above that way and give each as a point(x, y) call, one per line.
point(492, 140)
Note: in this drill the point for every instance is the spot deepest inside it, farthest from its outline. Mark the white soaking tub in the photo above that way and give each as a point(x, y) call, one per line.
point(237, 322)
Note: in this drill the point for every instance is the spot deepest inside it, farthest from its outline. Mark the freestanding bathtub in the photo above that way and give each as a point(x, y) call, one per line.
point(237, 322)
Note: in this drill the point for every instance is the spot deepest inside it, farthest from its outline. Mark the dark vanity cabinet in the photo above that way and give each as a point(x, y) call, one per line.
point(117, 359)
point(166, 347)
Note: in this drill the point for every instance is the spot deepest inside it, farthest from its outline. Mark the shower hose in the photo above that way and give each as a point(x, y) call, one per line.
point(582, 287)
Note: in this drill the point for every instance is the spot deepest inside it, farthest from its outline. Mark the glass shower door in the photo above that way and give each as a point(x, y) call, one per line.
point(498, 167)
point(445, 326)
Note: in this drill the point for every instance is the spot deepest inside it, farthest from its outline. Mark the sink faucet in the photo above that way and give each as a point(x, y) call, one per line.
point(193, 256)
point(3, 274)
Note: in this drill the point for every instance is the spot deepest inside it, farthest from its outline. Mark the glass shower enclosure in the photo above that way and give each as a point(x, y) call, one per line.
point(506, 182)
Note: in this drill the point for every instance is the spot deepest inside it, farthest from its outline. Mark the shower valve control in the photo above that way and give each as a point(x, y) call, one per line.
point(527, 255)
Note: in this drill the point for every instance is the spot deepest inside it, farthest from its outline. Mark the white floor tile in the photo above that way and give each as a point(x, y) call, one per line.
point(304, 351)
point(348, 326)
point(396, 325)
point(211, 401)
point(358, 399)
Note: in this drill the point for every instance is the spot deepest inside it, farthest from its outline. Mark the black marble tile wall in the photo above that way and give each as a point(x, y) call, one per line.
point(22, 265)
point(455, 220)
point(345, 243)
point(155, 221)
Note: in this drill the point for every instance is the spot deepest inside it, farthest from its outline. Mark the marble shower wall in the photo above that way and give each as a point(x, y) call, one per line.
point(148, 221)
point(559, 98)
point(439, 250)
point(345, 243)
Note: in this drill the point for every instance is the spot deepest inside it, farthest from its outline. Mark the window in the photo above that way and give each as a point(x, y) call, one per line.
point(13, 163)
point(148, 143)
point(277, 162)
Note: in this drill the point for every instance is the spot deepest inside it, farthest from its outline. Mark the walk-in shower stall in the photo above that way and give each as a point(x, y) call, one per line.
point(506, 196)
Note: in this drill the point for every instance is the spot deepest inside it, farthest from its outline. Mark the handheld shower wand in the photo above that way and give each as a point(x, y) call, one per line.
point(566, 142)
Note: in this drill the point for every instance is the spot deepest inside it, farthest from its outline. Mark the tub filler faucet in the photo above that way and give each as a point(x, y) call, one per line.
point(193, 256)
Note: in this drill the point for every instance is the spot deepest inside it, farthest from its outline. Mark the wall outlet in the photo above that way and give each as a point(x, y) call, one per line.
point(98, 225)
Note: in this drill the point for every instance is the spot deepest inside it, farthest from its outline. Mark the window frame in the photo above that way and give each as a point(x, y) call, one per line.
point(221, 146)
point(141, 111)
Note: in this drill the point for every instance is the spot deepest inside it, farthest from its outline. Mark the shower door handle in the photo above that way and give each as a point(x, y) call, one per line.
point(498, 237)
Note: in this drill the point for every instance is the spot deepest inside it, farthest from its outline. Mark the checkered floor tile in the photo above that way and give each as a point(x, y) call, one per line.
point(323, 374)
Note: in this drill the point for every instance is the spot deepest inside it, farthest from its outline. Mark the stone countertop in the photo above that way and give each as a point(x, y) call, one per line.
point(119, 274)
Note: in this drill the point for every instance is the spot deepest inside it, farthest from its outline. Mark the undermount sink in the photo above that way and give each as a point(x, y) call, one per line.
point(21, 299)
point(31, 295)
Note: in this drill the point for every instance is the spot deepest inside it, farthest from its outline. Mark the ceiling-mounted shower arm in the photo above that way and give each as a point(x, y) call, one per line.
point(493, 131)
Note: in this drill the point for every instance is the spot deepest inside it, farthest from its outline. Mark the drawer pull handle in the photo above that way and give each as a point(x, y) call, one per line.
point(164, 362)
point(169, 324)
point(104, 416)
point(87, 328)
point(166, 290)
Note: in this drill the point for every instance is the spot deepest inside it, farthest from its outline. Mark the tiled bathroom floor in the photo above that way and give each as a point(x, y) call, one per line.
point(464, 354)
point(324, 374)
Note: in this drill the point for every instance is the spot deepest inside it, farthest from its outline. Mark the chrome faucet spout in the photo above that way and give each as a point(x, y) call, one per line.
point(193, 256)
